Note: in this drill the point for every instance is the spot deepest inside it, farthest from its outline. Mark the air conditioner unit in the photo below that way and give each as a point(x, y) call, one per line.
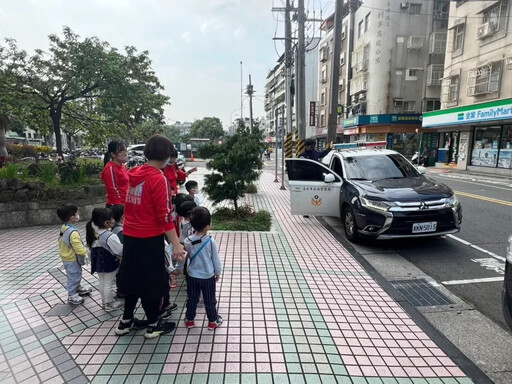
point(487, 29)
point(404, 5)
point(354, 99)
point(362, 96)
point(397, 103)
point(415, 42)
point(508, 62)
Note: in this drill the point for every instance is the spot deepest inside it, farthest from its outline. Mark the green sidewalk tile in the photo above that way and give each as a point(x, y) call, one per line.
point(327, 341)
point(63, 333)
point(117, 379)
point(158, 358)
point(280, 378)
point(435, 380)
point(287, 340)
point(107, 369)
point(136, 379)
point(265, 378)
point(48, 339)
point(106, 317)
point(374, 380)
point(150, 379)
point(334, 359)
point(289, 348)
point(339, 370)
point(100, 380)
point(92, 322)
point(464, 380)
point(11, 346)
point(449, 380)
point(297, 379)
point(165, 339)
point(343, 379)
point(328, 379)
point(154, 369)
point(399, 380)
point(113, 358)
point(199, 378)
point(14, 353)
point(216, 378)
point(183, 379)
point(119, 348)
point(162, 348)
point(31, 346)
point(291, 358)
point(331, 349)
point(248, 378)
point(313, 379)
point(78, 327)
point(294, 367)
point(164, 379)
point(358, 380)
point(231, 378)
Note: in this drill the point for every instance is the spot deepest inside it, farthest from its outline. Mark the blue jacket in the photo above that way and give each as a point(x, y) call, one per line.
point(207, 263)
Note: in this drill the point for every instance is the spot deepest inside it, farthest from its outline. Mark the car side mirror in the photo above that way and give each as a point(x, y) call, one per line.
point(421, 170)
point(329, 178)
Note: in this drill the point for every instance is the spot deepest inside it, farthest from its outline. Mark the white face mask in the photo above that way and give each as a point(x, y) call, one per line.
point(167, 161)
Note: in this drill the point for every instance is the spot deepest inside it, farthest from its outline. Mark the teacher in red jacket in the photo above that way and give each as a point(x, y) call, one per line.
point(114, 175)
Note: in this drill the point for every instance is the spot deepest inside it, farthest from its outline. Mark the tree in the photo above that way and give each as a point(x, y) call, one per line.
point(86, 81)
point(207, 128)
point(236, 163)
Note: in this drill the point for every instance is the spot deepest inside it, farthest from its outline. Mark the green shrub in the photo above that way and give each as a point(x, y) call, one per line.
point(69, 172)
point(92, 167)
point(251, 188)
point(48, 173)
point(225, 219)
point(9, 172)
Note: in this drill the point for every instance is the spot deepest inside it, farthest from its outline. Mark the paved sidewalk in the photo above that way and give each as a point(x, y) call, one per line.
point(298, 308)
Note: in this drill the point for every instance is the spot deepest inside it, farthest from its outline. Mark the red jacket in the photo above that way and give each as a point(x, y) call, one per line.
point(115, 178)
point(174, 174)
point(148, 207)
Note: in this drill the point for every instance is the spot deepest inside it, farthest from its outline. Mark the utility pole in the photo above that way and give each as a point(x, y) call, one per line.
point(300, 73)
point(288, 80)
point(250, 91)
point(335, 73)
point(241, 93)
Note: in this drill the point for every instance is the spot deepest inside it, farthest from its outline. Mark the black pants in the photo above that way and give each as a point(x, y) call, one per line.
point(151, 307)
point(194, 288)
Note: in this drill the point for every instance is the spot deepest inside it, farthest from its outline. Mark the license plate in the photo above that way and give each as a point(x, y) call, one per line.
point(424, 227)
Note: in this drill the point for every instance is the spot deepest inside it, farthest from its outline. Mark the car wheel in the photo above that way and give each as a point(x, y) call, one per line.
point(349, 224)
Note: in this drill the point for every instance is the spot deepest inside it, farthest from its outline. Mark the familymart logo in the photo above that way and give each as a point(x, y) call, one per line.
point(460, 116)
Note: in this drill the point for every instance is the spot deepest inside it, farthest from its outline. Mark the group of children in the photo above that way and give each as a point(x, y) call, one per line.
point(104, 240)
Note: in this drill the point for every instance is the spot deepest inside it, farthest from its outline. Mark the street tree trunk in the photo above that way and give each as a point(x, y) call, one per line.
point(56, 114)
point(4, 124)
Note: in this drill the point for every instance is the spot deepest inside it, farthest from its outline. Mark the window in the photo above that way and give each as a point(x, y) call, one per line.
point(412, 73)
point(340, 97)
point(484, 79)
point(342, 59)
point(493, 19)
point(432, 105)
point(322, 98)
point(415, 8)
point(366, 22)
point(435, 74)
point(324, 75)
point(360, 29)
point(450, 90)
point(322, 119)
point(458, 37)
point(505, 155)
point(486, 147)
point(409, 106)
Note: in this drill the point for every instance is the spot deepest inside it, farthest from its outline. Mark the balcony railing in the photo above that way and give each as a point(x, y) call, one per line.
point(437, 43)
point(435, 74)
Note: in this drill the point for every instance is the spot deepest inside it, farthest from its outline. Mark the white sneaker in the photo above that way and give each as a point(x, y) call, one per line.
point(113, 306)
point(75, 299)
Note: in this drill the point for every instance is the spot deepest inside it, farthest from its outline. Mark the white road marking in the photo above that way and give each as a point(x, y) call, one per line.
point(473, 181)
point(473, 281)
point(501, 258)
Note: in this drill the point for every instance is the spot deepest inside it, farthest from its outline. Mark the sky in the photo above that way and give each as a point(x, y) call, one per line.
point(196, 45)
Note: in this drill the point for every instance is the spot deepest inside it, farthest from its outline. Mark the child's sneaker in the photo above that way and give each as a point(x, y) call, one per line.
point(161, 328)
point(167, 311)
point(189, 323)
point(114, 305)
point(124, 328)
point(215, 324)
point(75, 299)
point(83, 291)
point(174, 282)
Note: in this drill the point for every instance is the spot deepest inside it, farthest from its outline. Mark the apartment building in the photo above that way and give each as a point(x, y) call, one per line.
point(396, 70)
point(473, 130)
point(275, 100)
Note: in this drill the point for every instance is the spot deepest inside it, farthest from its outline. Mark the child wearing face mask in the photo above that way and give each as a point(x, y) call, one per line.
point(106, 251)
point(193, 189)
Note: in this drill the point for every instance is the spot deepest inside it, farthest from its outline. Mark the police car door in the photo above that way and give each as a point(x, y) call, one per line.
point(314, 188)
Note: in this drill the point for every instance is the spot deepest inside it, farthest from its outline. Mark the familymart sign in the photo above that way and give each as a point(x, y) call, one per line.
point(492, 111)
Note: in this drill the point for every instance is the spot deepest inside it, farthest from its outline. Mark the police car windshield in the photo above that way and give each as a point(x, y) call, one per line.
point(379, 167)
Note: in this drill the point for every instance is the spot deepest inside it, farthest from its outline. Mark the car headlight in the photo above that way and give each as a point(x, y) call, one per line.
point(452, 201)
point(375, 205)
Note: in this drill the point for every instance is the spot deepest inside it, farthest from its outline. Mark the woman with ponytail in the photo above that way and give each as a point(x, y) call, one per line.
point(114, 175)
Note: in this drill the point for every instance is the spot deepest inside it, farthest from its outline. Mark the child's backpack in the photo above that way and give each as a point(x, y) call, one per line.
point(103, 259)
point(189, 259)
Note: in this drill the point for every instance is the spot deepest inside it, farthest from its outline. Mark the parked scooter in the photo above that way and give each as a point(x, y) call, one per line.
point(415, 158)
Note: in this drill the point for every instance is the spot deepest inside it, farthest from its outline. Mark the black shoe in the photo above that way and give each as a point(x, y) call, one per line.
point(167, 311)
point(161, 328)
point(124, 328)
point(306, 216)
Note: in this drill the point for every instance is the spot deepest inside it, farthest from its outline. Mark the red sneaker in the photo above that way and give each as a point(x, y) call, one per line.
point(189, 323)
point(174, 282)
point(215, 324)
